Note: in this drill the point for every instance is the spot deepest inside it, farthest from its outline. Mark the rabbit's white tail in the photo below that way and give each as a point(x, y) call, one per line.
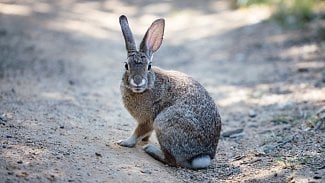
point(201, 162)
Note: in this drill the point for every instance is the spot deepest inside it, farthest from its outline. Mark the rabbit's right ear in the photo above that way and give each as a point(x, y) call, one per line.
point(153, 37)
point(128, 37)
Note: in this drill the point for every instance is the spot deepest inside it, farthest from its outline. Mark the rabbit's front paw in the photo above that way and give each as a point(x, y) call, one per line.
point(129, 142)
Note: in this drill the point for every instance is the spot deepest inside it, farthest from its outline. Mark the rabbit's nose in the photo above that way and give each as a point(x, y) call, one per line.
point(138, 81)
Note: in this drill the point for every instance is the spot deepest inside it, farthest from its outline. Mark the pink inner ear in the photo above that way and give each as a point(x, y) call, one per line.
point(154, 37)
point(148, 42)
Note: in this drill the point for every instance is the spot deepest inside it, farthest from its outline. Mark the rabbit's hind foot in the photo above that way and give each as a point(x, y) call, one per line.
point(154, 152)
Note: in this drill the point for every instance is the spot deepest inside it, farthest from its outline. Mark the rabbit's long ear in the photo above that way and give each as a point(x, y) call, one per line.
point(128, 37)
point(153, 37)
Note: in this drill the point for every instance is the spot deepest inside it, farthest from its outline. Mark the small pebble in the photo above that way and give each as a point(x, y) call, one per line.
point(22, 174)
point(20, 162)
point(3, 118)
point(145, 171)
point(232, 132)
point(303, 69)
point(317, 177)
point(71, 82)
point(252, 113)
point(238, 157)
point(98, 154)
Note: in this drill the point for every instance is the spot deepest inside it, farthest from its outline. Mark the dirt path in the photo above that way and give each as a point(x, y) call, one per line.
point(60, 108)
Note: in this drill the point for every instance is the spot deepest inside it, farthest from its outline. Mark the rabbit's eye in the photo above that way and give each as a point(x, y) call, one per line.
point(149, 66)
point(126, 66)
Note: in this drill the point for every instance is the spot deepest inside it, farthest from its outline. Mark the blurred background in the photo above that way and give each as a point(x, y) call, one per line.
point(61, 62)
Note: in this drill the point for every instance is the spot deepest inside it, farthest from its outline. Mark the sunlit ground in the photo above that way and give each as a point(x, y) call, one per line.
point(192, 28)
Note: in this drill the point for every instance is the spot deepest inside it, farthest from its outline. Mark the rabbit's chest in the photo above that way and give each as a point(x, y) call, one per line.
point(140, 106)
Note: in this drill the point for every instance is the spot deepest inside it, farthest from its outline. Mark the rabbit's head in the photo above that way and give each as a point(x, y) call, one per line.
point(138, 75)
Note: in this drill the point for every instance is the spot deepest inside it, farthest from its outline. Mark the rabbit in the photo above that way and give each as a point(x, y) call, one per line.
point(185, 118)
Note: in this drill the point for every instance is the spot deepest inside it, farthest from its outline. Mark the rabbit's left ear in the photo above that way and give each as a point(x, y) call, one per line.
point(153, 37)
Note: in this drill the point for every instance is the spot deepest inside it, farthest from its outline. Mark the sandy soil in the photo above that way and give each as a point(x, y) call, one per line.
point(60, 108)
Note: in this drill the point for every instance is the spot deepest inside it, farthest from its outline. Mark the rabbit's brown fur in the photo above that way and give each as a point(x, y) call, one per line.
point(183, 115)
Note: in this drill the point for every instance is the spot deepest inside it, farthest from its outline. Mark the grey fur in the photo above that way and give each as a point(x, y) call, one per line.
point(128, 37)
point(179, 109)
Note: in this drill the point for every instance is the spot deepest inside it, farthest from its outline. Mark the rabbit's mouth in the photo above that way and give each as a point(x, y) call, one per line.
point(138, 89)
point(138, 85)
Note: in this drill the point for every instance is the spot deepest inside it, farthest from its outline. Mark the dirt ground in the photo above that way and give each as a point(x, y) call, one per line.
point(61, 63)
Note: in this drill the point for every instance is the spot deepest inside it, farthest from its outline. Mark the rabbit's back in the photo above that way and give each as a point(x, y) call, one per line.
point(187, 122)
point(192, 99)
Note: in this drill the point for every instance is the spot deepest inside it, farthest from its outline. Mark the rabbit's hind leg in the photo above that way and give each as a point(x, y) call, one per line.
point(181, 139)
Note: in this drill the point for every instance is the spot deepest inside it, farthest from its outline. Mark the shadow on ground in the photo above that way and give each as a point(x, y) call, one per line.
point(60, 112)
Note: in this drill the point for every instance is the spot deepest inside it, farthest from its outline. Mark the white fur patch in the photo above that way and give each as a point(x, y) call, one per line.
point(129, 142)
point(143, 82)
point(201, 162)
